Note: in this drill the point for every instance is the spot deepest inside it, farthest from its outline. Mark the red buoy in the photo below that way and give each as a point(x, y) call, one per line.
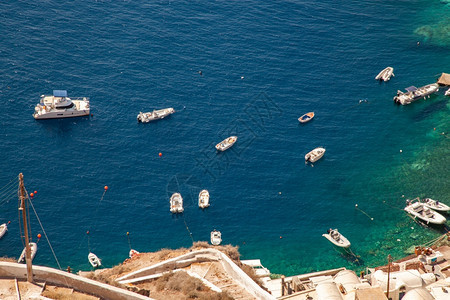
point(32, 195)
point(106, 187)
point(87, 232)
point(39, 235)
point(160, 154)
point(35, 192)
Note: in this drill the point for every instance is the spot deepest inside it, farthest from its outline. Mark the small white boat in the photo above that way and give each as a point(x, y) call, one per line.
point(419, 210)
point(414, 93)
point(176, 203)
point(94, 260)
point(3, 229)
point(133, 253)
point(315, 154)
point(447, 93)
point(203, 199)
point(336, 238)
point(154, 115)
point(385, 74)
point(435, 205)
point(306, 117)
point(216, 237)
point(226, 143)
point(59, 106)
point(33, 247)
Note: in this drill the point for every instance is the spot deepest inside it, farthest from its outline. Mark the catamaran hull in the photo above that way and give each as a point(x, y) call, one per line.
point(61, 115)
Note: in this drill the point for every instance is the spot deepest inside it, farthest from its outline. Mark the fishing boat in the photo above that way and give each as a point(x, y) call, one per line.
point(154, 115)
point(447, 93)
point(176, 203)
point(412, 93)
point(133, 253)
point(59, 105)
point(33, 247)
point(435, 205)
point(226, 143)
point(203, 199)
point(94, 260)
point(315, 155)
point(216, 237)
point(306, 117)
point(385, 74)
point(419, 210)
point(336, 238)
point(3, 229)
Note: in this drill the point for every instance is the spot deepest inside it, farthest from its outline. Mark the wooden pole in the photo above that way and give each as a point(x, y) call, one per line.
point(389, 273)
point(22, 207)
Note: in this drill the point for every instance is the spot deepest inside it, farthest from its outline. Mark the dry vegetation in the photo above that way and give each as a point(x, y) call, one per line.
point(178, 285)
point(8, 259)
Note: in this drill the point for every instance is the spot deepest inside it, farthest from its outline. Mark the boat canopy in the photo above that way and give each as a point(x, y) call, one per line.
point(59, 93)
point(411, 89)
point(444, 79)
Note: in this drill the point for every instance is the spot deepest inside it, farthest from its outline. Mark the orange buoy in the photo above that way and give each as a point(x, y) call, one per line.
point(32, 195)
point(39, 235)
point(160, 154)
point(106, 187)
point(281, 237)
point(87, 232)
point(434, 128)
point(35, 192)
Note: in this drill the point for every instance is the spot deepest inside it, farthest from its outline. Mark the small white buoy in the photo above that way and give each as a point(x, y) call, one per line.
point(398, 240)
point(412, 228)
point(279, 193)
point(403, 196)
point(242, 77)
point(356, 205)
point(371, 219)
point(401, 150)
point(418, 43)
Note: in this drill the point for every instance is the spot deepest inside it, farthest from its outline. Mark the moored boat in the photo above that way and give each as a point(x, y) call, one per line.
point(306, 117)
point(59, 105)
point(414, 93)
point(133, 253)
point(419, 210)
point(33, 247)
point(447, 93)
point(203, 199)
point(3, 229)
point(216, 237)
point(94, 260)
point(226, 143)
point(315, 154)
point(154, 115)
point(435, 205)
point(337, 238)
point(385, 74)
point(176, 203)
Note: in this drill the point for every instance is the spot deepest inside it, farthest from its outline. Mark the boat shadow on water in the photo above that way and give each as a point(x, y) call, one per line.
point(349, 255)
point(430, 110)
point(60, 126)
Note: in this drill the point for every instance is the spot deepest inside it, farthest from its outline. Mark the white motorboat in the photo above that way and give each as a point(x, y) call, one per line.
point(33, 247)
point(435, 205)
point(216, 237)
point(414, 93)
point(315, 154)
point(59, 105)
point(226, 143)
point(385, 74)
point(154, 115)
point(3, 229)
point(203, 199)
point(176, 203)
point(306, 117)
point(447, 93)
point(336, 238)
point(133, 253)
point(419, 210)
point(94, 260)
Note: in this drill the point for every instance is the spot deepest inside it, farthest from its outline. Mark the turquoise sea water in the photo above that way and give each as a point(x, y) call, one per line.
point(263, 65)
